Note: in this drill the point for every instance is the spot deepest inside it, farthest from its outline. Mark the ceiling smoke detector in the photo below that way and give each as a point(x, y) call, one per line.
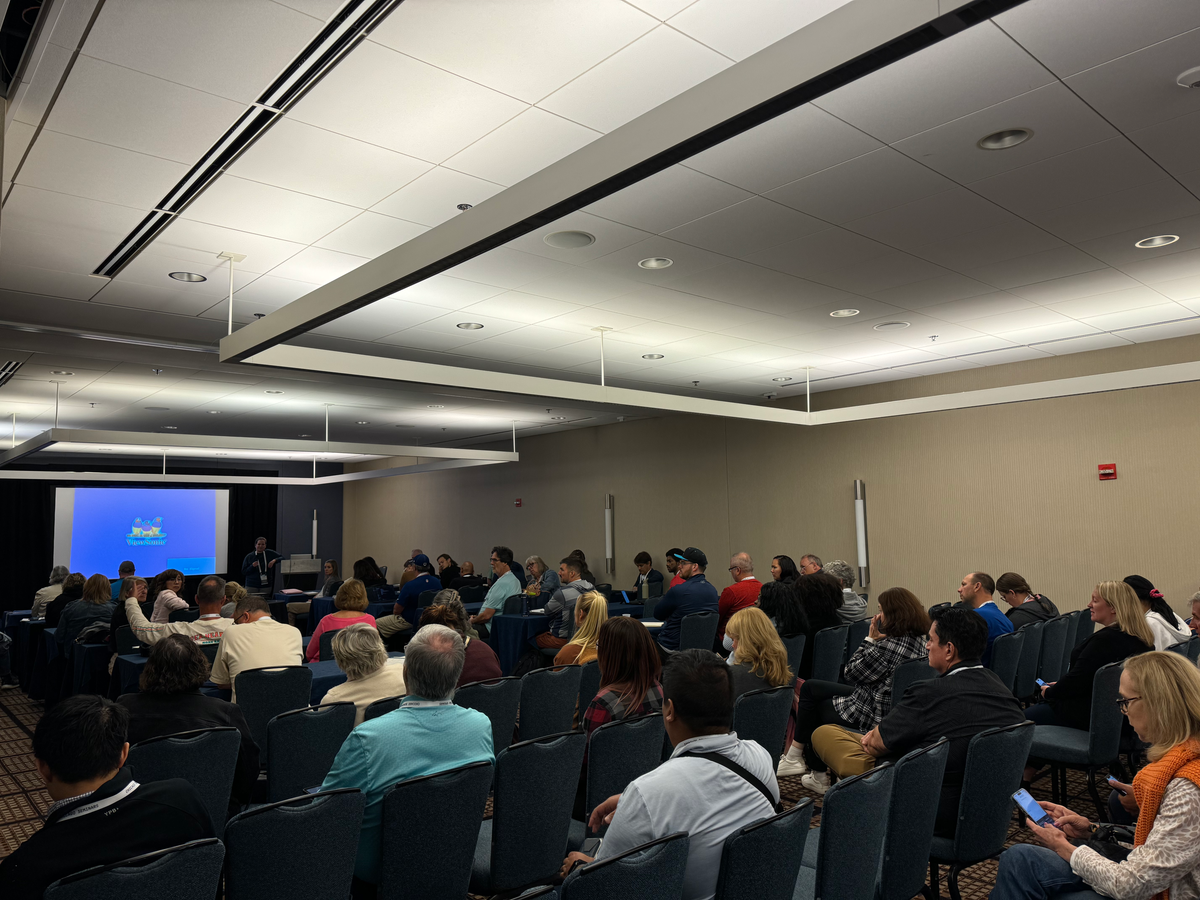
point(1003, 140)
point(463, 207)
point(470, 326)
point(656, 262)
point(190, 277)
point(569, 240)
point(892, 326)
point(652, 356)
point(1159, 240)
point(844, 313)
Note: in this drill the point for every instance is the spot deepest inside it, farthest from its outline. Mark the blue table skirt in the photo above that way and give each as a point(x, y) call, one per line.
point(30, 634)
point(12, 627)
point(89, 668)
point(51, 642)
point(511, 636)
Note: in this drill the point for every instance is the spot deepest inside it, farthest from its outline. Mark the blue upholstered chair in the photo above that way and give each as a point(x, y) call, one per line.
point(829, 651)
point(498, 700)
point(1054, 649)
point(382, 707)
point(1006, 657)
point(908, 673)
point(763, 859)
point(762, 716)
point(302, 746)
point(264, 693)
point(912, 814)
point(189, 871)
point(650, 871)
point(698, 630)
point(548, 698)
point(206, 757)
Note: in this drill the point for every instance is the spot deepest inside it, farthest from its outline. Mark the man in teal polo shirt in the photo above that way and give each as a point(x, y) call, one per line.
point(507, 585)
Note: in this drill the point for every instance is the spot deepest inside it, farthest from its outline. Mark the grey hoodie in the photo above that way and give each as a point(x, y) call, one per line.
point(561, 608)
point(853, 608)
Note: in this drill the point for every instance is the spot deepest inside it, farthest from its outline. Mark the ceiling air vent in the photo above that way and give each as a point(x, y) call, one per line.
point(7, 371)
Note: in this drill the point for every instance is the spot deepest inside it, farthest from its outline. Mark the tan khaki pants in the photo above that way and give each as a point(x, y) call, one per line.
point(298, 609)
point(841, 750)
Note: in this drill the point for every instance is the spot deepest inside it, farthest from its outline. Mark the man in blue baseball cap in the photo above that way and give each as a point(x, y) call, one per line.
point(424, 580)
point(693, 595)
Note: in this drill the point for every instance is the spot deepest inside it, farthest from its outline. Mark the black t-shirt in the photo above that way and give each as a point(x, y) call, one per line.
point(1071, 696)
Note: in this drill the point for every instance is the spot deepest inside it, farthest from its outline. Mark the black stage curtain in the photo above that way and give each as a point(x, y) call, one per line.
point(253, 512)
point(27, 536)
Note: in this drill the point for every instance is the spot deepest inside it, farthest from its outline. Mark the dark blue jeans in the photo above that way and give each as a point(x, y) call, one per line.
point(1037, 873)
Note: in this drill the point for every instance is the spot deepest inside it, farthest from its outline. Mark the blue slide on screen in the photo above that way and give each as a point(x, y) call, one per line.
point(156, 528)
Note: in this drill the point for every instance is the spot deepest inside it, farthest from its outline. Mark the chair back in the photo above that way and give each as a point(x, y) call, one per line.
point(650, 871)
point(1054, 643)
point(515, 605)
point(910, 672)
point(325, 652)
point(425, 598)
point(829, 649)
point(1193, 648)
point(589, 684)
point(552, 763)
point(302, 745)
point(127, 641)
point(698, 630)
point(762, 717)
point(850, 844)
point(548, 701)
point(856, 635)
point(1027, 667)
point(1181, 648)
point(945, 605)
point(1085, 628)
point(435, 862)
point(912, 814)
point(209, 649)
point(1104, 732)
point(499, 701)
point(262, 694)
point(995, 764)
point(763, 859)
point(333, 818)
point(794, 644)
point(206, 757)
point(619, 752)
point(1006, 657)
point(190, 871)
point(191, 614)
point(1072, 632)
point(472, 593)
point(382, 707)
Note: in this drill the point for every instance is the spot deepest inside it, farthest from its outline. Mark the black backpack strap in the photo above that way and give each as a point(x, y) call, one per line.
point(722, 760)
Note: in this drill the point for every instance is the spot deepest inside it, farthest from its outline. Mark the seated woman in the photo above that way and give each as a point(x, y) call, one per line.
point(170, 701)
point(131, 586)
point(542, 579)
point(165, 594)
point(449, 597)
point(351, 603)
point(370, 674)
point(783, 568)
point(95, 605)
point(591, 612)
point(233, 593)
point(329, 588)
point(481, 663)
point(821, 597)
point(1168, 629)
point(759, 659)
point(782, 607)
point(630, 669)
point(1160, 695)
point(372, 575)
point(898, 633)
point(72, 590)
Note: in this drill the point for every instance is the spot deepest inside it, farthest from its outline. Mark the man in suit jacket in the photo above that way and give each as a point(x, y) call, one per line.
point(648, 576)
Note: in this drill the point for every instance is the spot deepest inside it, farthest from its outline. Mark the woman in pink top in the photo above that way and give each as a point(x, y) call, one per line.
point(351, 603)
point(165, 591)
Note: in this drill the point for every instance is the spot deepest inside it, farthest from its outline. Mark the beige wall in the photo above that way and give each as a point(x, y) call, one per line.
point(1000, 488)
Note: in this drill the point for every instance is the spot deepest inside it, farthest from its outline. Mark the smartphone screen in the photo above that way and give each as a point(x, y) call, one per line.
point(1032, 808)
point(1041, 683)
point(1113, 783)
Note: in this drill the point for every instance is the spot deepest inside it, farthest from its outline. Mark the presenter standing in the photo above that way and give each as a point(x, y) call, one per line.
point(258, 568)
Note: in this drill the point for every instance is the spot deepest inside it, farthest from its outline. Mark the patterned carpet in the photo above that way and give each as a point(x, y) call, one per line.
point(24, 802)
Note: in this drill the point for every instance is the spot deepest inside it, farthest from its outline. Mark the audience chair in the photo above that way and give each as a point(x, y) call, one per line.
point(1054, 643)
point(433, 862)
point(548, 701)
point(498, 700)
point(262, 694)
point(190, 871)
point(1085, 628)
point(762, 716)
point(604, 589)
point(1072, 631)
point(650, 871)
point(912, 814)
point(425, 598)
point(1006, 657)
point(698, 631)
point(829, 649)
point(794, 644)
point(1073, 748)
point(1193, 648)
point(1025, 685)
point(589, 684)
point(382, 707)
point(908, 673)
point(1181, 648)
point(302, 847)
point(995, 762)
point(515, 605)
point(842, 861)
point(209, 649)
point(325, 651)
point(763, 860)
point(206, 757)
point(945, 605)
point(301, 746)
point(472, 594)
point(191, 614)
point(127, 641)
point(856, 635)
point(534, 793)
point(618, 752)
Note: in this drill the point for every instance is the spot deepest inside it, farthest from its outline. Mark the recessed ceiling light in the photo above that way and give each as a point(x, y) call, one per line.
point(891, 326)
point(652, 356)
point(190, 277)
point(61, 372)
point(171, 427)
point(435, 406)
point(463, 207)
point(362, 422)
point(569, 240)
point(782, 378)
point(558, 418)
point(844, 313)
point(272, 392)
point(1189, 79)
point(656, 262)
point(1159, 240)
point(156, 408)
point(214, 412)
point(1002, 140)
point(470, 326)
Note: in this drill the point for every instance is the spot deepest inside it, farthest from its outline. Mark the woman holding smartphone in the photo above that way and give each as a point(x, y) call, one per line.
point(1160, 695)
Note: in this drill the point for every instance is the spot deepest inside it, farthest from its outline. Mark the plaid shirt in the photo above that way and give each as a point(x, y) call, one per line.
point(870, 671)
point(607, 707)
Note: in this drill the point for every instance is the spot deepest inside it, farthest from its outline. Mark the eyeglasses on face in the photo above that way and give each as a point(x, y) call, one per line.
point(1123, 703)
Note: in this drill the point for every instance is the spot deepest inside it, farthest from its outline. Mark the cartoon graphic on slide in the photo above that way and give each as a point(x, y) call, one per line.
point(146, 533)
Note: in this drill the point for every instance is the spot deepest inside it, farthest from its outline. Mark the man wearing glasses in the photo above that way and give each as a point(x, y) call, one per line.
point(694, 595)
point(506, 585)
point(255, 641)
point(742, 593)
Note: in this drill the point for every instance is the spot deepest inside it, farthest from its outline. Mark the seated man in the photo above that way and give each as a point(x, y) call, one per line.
point(210, 596)
point(254, 641)
point(975, 592)
point(561, 605)
point(467, 577)
point(695, 594)
point(100, 814)
point(962, 701)
point(648, 576)
point(126, 570)
point(742, 593)
point(690, 792)
point(427, 734)
point(424, 580)
point(506, 585)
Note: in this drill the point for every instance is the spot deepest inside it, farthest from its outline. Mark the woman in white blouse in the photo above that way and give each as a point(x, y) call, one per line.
point(370, 675)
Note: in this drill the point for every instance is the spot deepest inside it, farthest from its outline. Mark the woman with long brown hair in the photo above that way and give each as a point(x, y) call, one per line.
point(630, 669)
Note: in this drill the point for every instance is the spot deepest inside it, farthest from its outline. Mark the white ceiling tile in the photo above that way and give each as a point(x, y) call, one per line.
point(1088, 284)
point(880, 272)
point(581, 286)
point(269, 292)
point(748, 226)
point(69, 165)
point(381, 318)
point(706, 345)
point(609, 237)
point(739, 30)
point(1019, 320)
point(1166, 267)
point(818, 253)
point(508, 268)
point(231, 58)
point(115, 105)
point(788, 147)
point(314, 161)
point(866, 350)
point(383, 97)
point(989, 245)
point(1120, 247)
point(1118, 212)
point(370, 235)
point(476, 39)
point(973, 69)
point(522, 146)
point(153, 268)
point(317, 266)
point(262, 209)
point(80, 255)
point(766, 329)
point(447, 324)
point(1180, 288)
point(1013, 354)
point(759, 288)
point(434, 197)
point(16, 140)
point(939, 366)
point(33, 102)
point(759, 353)
point(932, 219)
point(672, 197)
point(634, 80)
point(661, 9)
point(978, 307)
point(63, 216)
point(1052, 332)
point(200, 241)
point(31, 280)
point(534, 337)
point(318, 9)
point(1171, 143)
point(518, 307)
point(1114, 301)
point(1146, 315)
point(422, 339)
point(631, 342)
point(934, 291)
point(142, 296)
point(1036, 267)
point(970, 346)
point(688, 260)
point(445, 292)
point(1164, 331)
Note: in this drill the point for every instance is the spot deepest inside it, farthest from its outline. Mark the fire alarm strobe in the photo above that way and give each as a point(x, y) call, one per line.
point(517, 502)
point(1108, 471)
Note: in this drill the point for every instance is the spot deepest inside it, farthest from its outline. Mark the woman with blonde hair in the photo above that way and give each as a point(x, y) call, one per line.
point(759, 659)
point(370, 675)
point(1160, 695)
point(591, 611)
point(351, 603)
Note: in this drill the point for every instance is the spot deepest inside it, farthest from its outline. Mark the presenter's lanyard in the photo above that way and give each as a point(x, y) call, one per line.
point(416, 704)
point(101, 804)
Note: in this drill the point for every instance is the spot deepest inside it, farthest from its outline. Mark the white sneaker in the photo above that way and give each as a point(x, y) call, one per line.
point(817, 782)
point(791, 766)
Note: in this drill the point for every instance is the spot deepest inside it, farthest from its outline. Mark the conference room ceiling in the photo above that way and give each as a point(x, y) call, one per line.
point(875, 197)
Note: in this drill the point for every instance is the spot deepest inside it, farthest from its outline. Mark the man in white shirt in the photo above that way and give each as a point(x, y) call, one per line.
point(691, 792)
point(210, 595)
point(255, 641)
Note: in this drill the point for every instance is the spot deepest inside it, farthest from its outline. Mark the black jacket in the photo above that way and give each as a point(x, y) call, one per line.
point(153, 715)
point(448, 574)
point(1036, 609)
point(102, 828)
point(1071, 696)
point(54, 609)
